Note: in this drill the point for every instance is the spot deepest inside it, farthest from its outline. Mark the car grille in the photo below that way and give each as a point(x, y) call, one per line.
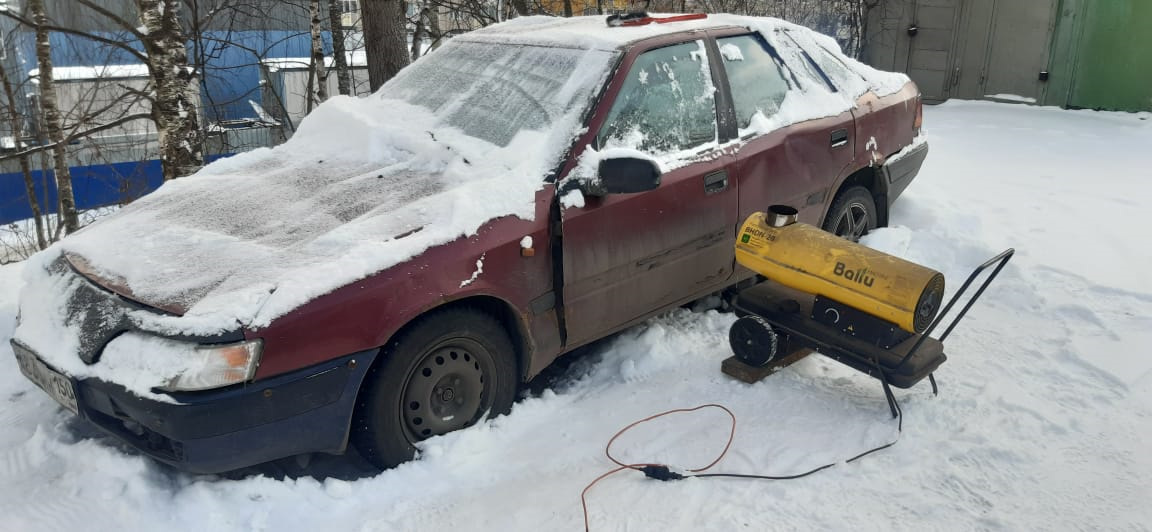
point(99, 315)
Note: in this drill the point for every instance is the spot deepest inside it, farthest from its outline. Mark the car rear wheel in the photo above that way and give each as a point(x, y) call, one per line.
point(852, 215)
point(444, 373)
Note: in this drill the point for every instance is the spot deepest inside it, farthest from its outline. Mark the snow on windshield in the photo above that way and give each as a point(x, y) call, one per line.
point(492, 92)
point(254, 236)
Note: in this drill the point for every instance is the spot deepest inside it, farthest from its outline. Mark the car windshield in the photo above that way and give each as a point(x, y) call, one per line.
point(494, 91)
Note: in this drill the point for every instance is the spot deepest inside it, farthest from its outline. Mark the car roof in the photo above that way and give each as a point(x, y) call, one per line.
point(593, 32)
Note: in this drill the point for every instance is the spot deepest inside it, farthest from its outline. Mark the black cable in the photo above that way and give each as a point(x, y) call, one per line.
point(765, 477)
point(664, 473)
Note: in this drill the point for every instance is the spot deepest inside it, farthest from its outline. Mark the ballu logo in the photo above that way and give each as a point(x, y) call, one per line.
point(859, 275)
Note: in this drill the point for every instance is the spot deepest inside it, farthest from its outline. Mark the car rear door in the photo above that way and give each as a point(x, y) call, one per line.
point(628, 255)
point(778, 161)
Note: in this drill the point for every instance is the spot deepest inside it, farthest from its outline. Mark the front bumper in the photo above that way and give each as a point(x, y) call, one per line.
point(213, 431)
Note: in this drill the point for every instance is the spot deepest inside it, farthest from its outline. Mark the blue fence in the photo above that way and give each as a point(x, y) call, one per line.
point(93, 186)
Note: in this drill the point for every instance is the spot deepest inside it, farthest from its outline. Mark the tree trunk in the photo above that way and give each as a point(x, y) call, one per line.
point(175, 108)
point(339, 53)
point(52, 120)
point(319, 73)
point(418, 33)
point(568, 8)
point(385, 39)
point(521, 7)
point(434, 33)
point(25, 166)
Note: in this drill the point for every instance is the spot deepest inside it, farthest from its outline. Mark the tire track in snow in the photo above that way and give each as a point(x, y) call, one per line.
point(1036, 382)
point(1108, 330)
point(61, 512)
point(46, 487)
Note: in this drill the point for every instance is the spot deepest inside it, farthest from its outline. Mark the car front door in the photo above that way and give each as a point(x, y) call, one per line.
point(628, 255)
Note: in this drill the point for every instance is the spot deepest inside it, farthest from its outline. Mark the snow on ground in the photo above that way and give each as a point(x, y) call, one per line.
point(1042, 420)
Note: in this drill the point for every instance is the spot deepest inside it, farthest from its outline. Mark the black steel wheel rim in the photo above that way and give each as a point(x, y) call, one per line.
point(447, 389)
point(853, 222)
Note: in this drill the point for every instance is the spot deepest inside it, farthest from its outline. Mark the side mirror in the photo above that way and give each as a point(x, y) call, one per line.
point(623, 175)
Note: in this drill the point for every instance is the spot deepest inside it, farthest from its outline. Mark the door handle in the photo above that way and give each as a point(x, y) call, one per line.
point(716, 182)
point(839, 138)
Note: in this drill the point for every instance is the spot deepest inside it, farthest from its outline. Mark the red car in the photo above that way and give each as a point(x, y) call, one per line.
point(400, 266)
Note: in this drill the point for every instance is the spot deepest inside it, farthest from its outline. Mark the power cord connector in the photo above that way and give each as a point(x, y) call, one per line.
point(661, 473)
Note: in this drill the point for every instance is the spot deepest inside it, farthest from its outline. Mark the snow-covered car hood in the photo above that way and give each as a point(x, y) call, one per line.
point(254, 236)
point(365, 184)
point(259, 221)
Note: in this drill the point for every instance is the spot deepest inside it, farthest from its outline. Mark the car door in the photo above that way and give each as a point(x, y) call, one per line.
point(628, 255)
point(779, 162)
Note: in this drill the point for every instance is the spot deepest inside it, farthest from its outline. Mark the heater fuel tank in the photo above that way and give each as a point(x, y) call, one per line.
point(811, 260)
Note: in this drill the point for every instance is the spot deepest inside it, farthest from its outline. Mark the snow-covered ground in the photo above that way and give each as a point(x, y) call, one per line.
point(1043, 419)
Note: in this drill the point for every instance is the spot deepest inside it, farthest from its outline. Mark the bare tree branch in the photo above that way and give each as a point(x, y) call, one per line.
point(76, 135)
point(90, 36)
point(124, 24)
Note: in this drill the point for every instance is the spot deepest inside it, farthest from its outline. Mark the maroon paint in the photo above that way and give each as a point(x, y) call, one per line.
point(365, 314)
point(626, 257)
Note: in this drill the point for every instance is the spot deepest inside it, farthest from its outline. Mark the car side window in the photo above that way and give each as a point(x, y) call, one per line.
point(758, 84)
point(837, 72)
point(666, 104)
point(803, 69)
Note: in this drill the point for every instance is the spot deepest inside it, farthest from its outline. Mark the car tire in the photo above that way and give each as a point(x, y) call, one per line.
point(444, 373)
point(852, 214)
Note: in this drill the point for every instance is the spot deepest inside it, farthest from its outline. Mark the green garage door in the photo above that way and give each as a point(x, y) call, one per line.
point(1112, 50)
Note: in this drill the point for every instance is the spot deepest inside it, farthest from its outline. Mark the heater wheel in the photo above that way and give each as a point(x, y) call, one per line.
point(753, 340)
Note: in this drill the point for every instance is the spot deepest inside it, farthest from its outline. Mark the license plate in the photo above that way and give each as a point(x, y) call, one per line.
point(58, 386)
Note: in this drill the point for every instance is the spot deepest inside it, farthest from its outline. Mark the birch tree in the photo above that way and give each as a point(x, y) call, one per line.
point(317, 74)
point(66, 200)
point(17, 123)
point(175, 107)
point(339, 53)
point(418, 32)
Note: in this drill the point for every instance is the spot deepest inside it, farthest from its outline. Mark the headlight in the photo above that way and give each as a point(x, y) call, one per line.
point(144, 363)
point(213, 366)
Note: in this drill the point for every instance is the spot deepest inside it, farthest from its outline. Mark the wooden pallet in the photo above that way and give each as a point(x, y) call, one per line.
point(734, 368)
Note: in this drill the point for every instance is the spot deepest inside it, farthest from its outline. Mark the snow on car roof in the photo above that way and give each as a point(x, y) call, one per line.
point(585, 32)
point(594, 32)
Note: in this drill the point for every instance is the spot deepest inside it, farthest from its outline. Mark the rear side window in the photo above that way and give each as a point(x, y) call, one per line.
point(757, 82)
point(667, 102)
point(838, 73)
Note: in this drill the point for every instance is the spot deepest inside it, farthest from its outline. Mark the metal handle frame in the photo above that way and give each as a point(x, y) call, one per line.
point(999, 261)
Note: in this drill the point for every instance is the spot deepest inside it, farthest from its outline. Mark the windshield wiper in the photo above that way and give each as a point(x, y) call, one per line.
point(434, 139)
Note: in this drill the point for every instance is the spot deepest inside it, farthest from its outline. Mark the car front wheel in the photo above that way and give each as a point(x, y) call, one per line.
point(444, 373)
point(852, 215)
